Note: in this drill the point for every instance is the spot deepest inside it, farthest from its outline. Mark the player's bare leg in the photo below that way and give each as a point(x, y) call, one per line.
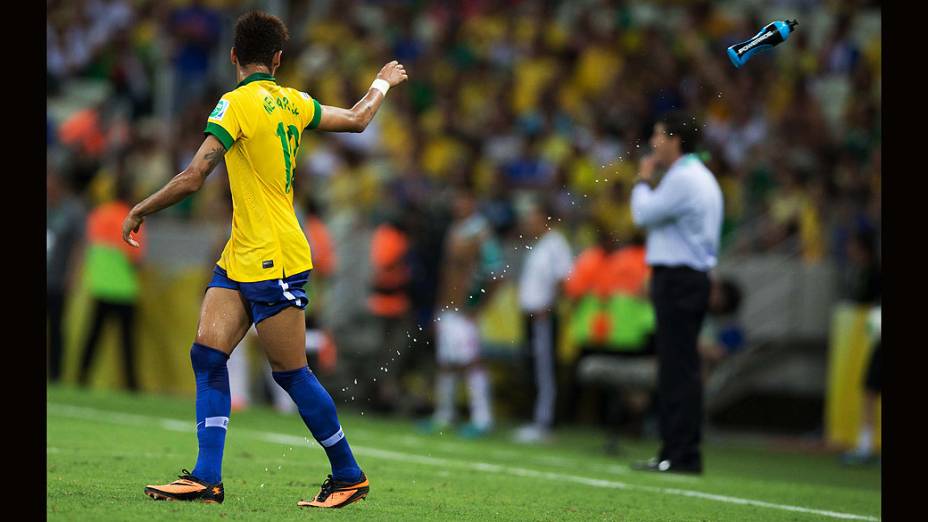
point(223, 323)
point(283, 339)
point(282, 336)
point(223, 320)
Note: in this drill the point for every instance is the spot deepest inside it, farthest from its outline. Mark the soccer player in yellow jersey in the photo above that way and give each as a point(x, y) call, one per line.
point(260, 276)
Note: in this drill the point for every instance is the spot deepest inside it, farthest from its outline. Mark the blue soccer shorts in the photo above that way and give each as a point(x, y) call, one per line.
point(266, 298)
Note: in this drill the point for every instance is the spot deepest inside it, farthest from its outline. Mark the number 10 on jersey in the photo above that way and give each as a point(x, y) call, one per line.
point(292, 135)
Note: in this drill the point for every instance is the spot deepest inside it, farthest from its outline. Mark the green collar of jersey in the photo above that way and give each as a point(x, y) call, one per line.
point(256, 77)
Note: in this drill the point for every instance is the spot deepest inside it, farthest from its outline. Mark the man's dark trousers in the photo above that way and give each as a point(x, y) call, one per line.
point(681, 297)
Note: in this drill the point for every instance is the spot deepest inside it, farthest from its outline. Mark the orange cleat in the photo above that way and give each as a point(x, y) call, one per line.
point(188, 487)
point(336, 494)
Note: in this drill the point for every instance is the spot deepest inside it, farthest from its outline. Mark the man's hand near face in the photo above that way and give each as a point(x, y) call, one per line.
point(646, 167)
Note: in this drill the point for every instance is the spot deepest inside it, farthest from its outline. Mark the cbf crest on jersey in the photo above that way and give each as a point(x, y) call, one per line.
point(220, 110)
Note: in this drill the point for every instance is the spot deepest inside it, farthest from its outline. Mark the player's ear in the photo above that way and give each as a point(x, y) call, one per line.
point(275, 61)
point(232, 57)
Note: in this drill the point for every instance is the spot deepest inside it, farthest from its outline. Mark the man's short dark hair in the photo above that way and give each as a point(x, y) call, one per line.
point(258, 36)
point(678, 123)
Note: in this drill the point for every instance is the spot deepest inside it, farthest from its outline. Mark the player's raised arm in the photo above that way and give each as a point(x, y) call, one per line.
point(355, 119)
point(182, 185)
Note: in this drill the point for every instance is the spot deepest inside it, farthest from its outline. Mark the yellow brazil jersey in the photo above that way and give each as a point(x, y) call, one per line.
point(260, 123)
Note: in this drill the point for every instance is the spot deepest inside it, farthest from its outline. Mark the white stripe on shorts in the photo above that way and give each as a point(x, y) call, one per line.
point(287, 294)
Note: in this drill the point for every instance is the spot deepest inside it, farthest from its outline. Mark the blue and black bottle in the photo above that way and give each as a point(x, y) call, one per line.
point(774, 34)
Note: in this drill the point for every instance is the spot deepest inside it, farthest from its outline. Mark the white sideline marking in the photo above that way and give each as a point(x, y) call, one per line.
point(292, 440)
point(561, 462)
point(175, 425)
point(280, 438)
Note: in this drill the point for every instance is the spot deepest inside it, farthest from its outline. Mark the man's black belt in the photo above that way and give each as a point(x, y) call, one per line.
point(676, 268)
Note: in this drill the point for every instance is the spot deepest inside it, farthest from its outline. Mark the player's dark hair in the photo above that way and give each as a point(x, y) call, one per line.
point(678, 123)
point(258, 36)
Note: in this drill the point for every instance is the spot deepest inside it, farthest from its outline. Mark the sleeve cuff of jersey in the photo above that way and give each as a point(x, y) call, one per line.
point(317, 115)
point(221, 134)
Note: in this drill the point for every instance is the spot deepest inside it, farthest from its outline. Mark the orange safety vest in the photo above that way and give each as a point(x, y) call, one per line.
point(320, 244)
point(83, 128)
point(623, 272)
point(104, 227)
point(391, 274)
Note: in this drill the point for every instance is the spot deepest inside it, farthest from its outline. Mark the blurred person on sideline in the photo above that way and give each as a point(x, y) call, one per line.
point(111, 271)
point(547, 264)
point(611, 316)
point(683, 216)
point(864, 452)
point(863, 274)
point(389, 303)
point(864, 289)
point(64, 232)
point(320, 342)
point(195, 29)
point(471, 269)
point(606, 278)
point(722, 334)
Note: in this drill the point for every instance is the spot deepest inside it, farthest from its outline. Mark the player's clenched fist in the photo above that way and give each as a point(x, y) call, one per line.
point(393, 73)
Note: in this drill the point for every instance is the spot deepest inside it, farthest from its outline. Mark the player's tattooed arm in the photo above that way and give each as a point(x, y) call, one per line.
point(355, 119)
point(213, 157)
point(179, 187)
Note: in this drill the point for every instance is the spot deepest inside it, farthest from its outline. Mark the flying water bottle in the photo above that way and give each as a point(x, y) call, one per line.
point(770, 36)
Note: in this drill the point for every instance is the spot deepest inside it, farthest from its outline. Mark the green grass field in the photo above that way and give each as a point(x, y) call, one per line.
point(104, 447)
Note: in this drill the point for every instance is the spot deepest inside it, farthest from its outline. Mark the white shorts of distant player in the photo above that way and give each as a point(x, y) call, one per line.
point(458, 339)
point(458, 345)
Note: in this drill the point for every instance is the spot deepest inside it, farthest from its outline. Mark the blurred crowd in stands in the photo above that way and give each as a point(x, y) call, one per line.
point(521, 100)
point(520, 95)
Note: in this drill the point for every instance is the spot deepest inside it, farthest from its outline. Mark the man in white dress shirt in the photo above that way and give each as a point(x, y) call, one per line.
point(547, 264)
point(683, 216)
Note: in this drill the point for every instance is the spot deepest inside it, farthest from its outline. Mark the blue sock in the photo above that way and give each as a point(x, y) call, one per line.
point(214, 403)
point(318, 411)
